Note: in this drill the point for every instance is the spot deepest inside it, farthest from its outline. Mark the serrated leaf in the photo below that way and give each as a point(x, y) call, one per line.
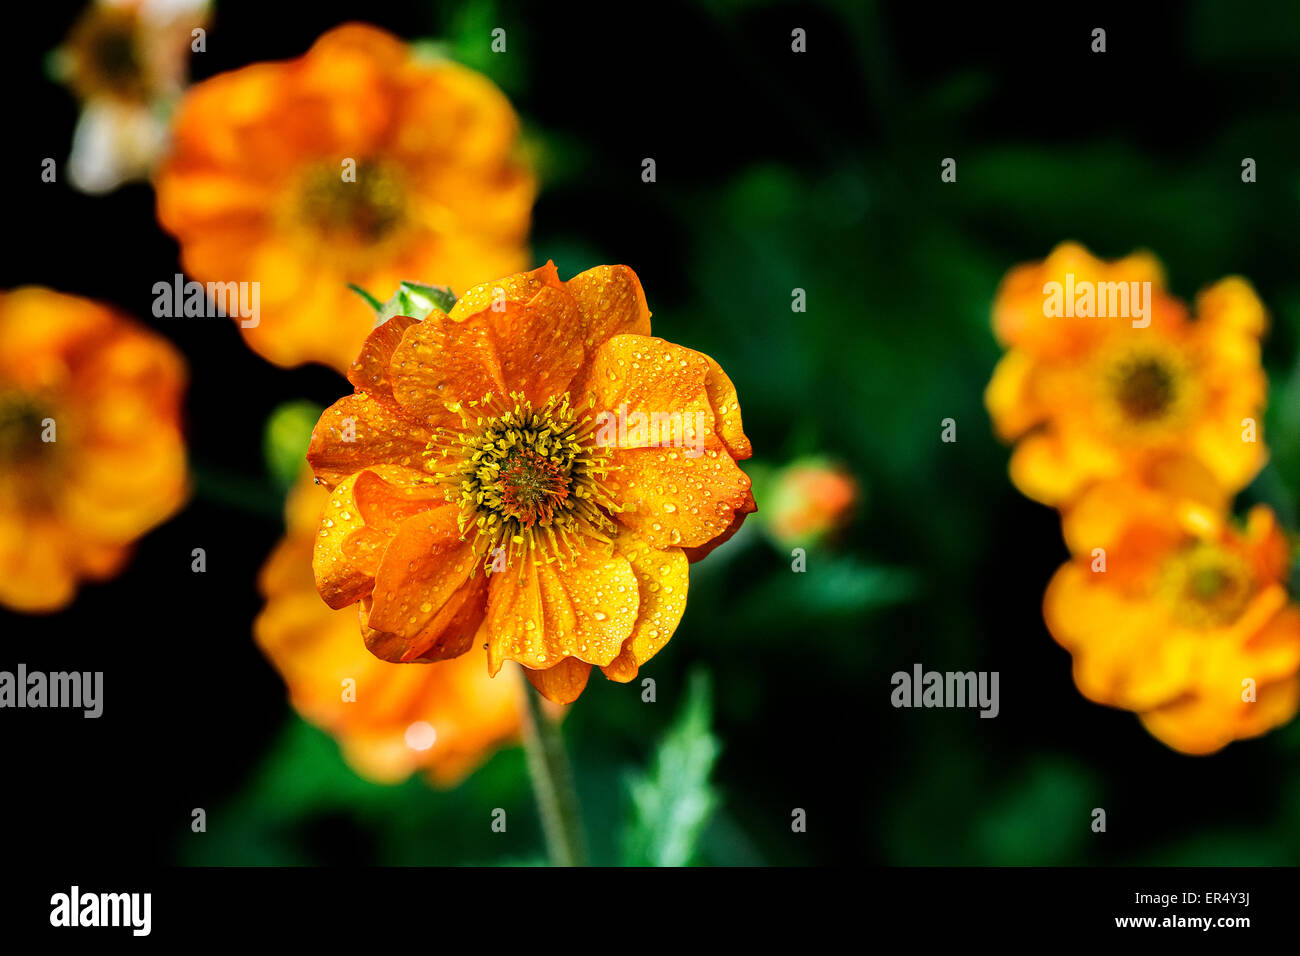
point(673, 801)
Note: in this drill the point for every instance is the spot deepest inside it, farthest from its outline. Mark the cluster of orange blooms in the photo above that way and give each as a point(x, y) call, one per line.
point(471, 501)
point(253, 186)
point(1141, 433)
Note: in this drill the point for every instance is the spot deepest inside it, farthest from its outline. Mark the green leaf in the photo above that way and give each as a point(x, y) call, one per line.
point(674, 800)
point(440, 295)
point(286, 437)
point(416, 300)
point(370, 299)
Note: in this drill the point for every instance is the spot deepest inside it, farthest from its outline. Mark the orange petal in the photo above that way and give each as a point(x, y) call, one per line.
point(1208, 721)
point(611, 301)
point(37, 563)
point(1117, 660)
point(704, 550)
point(1267, 544)
point(533, 347)
point(385, 504)
point(361, 430)
point(1217, 441)
point(594, 600)
point(441, 361)
point(586, 610)
point(1043, 468)
point(519, 287)
point(563, 683)
point(369, 373)
point(726, 411)
point(344, 556)
point(358, 520)
point(448, 634)
point(514, 617)
point(1272, 652)
point(1232, 304)
point(637, 375)
point(539, 343)
point(676, 500)
point(423, 568)
point(662, 579)
point(1010, 398)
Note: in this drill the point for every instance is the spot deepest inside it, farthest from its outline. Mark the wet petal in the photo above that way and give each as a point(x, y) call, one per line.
point(441, 361)
point(448, 634)
point(649, 393)
point(515, 620)
point(369, 373)
point(726, 411)
point(594, 601)
point(519, 287)
point(747, 508)
point(675, 500)
point(538, 343)
point(563, 683)
point(662, 579)
point(585, 610)
point(361, 430)
point(422, 569)
point(612, 303)
point(387, 496)
point(344, 556)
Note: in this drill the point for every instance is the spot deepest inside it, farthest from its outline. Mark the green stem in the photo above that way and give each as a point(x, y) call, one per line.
point(548, 766)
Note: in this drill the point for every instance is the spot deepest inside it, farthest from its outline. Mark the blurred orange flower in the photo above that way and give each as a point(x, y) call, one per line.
point(358, 162)
point(1179, 615)
point(1090, 398)
point(127, 62)
point(510, 438)
point(443, 719)
point(91, 454)
point(809, 499)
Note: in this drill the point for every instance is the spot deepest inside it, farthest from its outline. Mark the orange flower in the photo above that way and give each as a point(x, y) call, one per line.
point(91, 454)
point(127, 62)
point(532, 473)
point(1092, 398)
point(444, 720)
point(359, 162)
point(1176, 614)
point(810, 499)
point(1206, 722)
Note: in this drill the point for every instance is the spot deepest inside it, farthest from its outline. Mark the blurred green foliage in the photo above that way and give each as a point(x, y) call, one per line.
point(674, 800)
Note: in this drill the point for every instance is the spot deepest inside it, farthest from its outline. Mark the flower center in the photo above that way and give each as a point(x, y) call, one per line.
point(22, 422)
point(1208, 585)
point(531, 486)
point(1145, 392)
point(1145, 388)
point(366, 206)
point(526, 479)
point(104, 49)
